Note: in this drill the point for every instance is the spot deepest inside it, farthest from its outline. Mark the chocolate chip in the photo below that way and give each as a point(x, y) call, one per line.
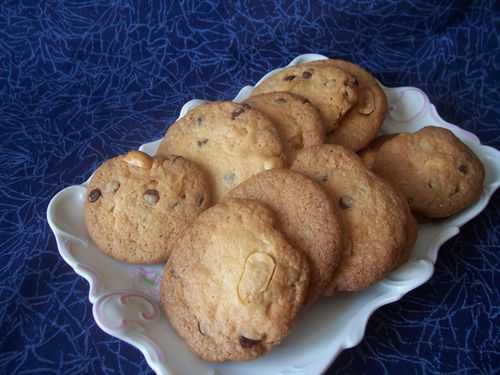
point(280, 100)
point(306, 101)
point(247, 343)
point(429, 184)
point(289, 78)
point(237, 112)
point(199, 121)
point(306, 75)
point(462, 168)
point(345, 202)
point(151, 196)
point(174, 205)
point(201, 199)
point(183, 196)
point(323, 178)
point(246, 105)
point(202, 142)
point(94, 195)
point(173, 273)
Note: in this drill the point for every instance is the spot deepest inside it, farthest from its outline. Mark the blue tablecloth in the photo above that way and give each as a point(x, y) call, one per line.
point(86, 80)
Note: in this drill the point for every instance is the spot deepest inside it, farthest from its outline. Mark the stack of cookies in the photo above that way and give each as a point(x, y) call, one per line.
point(262, 207)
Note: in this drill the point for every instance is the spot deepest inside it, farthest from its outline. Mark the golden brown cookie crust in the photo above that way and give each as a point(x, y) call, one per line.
point(234, 285)
point(411, 238)
point(369, 153)
point(230, 141)
point(306, 216)
point(438, 174)
point(138, 205)
point(331, 90)
point(374, 215)
point(298, 122)
point(361, 124)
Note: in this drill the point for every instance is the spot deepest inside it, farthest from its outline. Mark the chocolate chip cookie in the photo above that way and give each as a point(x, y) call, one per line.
point(411, 238)
point(306, 216)
point(369, 153)
point(331, 90)
point(230, 141)
point(136, 205)
point(361, 124)
point(234, 285)
point(439, 175)
point(374, 215)
point(298, 122)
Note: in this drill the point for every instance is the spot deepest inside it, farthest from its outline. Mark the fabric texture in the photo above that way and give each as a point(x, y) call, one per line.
point(83, 81)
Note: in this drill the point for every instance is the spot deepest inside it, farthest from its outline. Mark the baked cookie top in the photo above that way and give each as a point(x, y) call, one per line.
point(331, 90)
point(361, 124)
point(439, 175)
point(230, 141)
point(234, 285)
point(137, 205)
point(305, 214)
point(369, 153)
point(374, 215)
point(298, 122)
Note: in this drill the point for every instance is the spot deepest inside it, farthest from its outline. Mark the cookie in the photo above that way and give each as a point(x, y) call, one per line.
point(306, 216)
point(331, 90)
point(234, 285)
point(137, 206)
point(411, 238)
point(298, 122)
point(369, 153)
point(438, 174)
point(374, 215)
point(230, 141)
point(361, 124)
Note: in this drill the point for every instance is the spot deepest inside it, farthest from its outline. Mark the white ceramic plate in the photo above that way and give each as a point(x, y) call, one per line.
point(125, 297)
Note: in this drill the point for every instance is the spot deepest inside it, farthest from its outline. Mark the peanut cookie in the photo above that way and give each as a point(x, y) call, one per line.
point(234, 285)
point(230, 141)
point(137, 206)
point(374, 215)
point(298, 122)
point(439, 175)
point(330, 89)
point(306, 215)
point(361, 124)
point(369, 153)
